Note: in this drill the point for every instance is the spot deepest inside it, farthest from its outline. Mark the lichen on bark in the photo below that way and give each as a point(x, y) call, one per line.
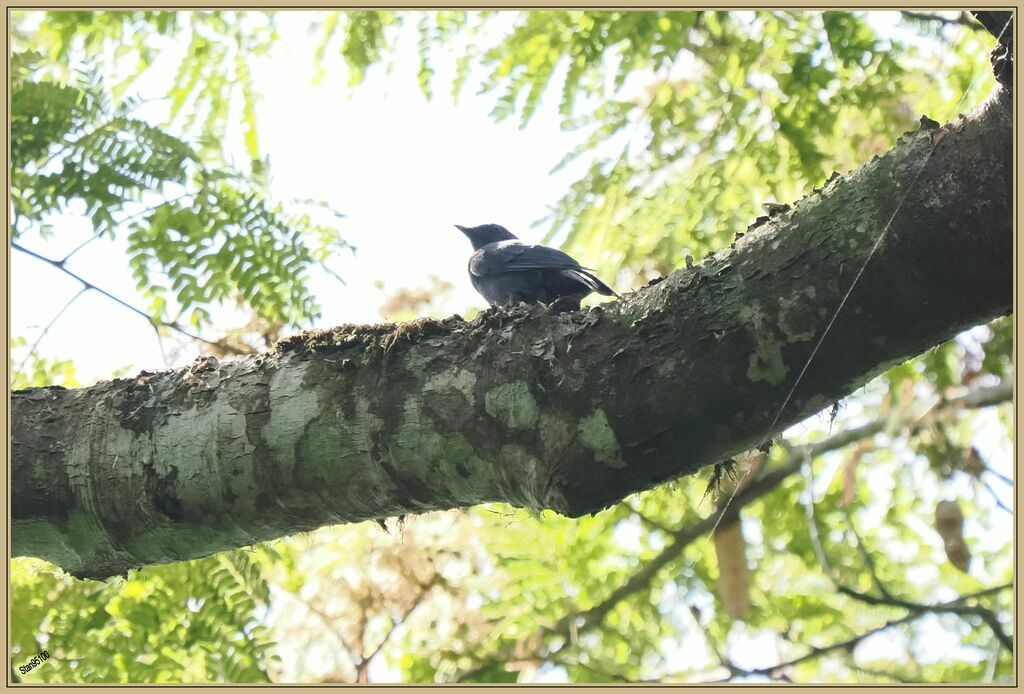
point(566, 411)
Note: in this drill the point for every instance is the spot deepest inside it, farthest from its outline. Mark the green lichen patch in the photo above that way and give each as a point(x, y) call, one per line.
point(459, 380)
point(554, 433)
point(595, 433)
point(513, 405)
point(766, 364)
point(449, 396)
point(796, 315)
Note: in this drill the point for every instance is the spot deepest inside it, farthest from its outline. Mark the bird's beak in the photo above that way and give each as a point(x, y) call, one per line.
point(464, 230)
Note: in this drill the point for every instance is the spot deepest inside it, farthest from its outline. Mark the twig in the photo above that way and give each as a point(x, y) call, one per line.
point(996, 23)
point(818, 651)
point(82, 245)
point(913, 608)
point(723, 660)
point(812, 526)
point(865, 555)
point(768, 481)
point(995, 497)
point(953, 607)
point(333, 274)
point(127, 219)
point(1000, 476)
point(395, 623)
point(654, 523)
point(328, 621)
point(32, 349)
point(962, 19)
point(152, 321)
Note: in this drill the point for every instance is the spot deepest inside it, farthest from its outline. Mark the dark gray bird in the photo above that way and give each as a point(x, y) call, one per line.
point(506, 271)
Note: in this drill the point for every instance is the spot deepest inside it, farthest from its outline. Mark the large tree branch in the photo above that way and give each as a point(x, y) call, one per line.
point(566, 411)
point(1000, 25)
point(574, 623)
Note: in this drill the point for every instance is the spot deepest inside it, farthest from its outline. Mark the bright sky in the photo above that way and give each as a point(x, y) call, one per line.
point(403, 170)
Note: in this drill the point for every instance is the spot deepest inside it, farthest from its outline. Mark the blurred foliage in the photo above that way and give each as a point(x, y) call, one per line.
point(408, 303)
point(213, 86)
point(209, 232)
point(687, 122)
point(198, 621)
point(34, 371)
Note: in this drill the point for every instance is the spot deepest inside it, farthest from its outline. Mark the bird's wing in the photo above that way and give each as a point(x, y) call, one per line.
point(512, 256)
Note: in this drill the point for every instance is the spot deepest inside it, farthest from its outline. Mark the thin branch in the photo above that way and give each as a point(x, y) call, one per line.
point(995, 497)
point(993, 623)
point(150, 319)
point(82, 245)
point(1000, 476)
point(952, 607)
point(362, 677)
point(127, 219)
point(818, 651)
point(765, 483)
point(653, 523)
point(712, 645)
point(333, 274)
point(887, 598)
point(981, 593)
point(996, 23)
point(869, 562)
point(812, 526)
point(395, 623)
point(328, 621)
point(32, 349)
point(962, 19)
point(913, 608)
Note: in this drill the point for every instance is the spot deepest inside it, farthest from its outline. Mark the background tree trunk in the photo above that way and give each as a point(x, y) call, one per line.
point(569, 411)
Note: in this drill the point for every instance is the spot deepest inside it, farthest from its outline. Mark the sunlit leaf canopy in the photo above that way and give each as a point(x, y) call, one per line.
point(687, 123)
point(199, 230)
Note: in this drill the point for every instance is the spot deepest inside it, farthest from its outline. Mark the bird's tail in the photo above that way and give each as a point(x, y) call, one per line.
point(593, 281)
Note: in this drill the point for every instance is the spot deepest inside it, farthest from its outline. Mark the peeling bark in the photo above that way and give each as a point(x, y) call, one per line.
point(565, 411)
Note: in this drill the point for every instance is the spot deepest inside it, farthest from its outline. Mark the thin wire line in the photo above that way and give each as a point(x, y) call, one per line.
point(856, 279)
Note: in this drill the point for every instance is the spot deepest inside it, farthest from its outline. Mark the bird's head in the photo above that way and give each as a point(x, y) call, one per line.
point(488, 233)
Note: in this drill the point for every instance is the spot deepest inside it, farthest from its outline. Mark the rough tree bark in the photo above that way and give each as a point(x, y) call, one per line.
point(564, 411)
